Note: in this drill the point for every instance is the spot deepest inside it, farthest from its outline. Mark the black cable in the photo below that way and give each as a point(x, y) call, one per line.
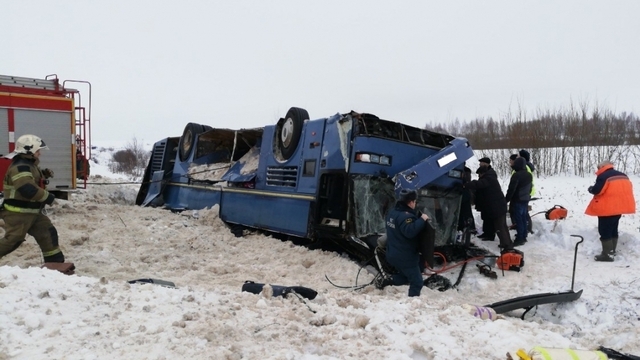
point(538, 213)
point(351, 287)
point(301, 298)
point(356, 286)
point(120, 183)
point(464, 266)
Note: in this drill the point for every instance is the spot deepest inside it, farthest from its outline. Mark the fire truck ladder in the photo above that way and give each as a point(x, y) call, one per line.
point(49, 86)
point(83, 129)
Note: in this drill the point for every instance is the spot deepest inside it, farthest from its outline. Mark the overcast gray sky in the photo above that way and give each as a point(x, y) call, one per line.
point(156, 65)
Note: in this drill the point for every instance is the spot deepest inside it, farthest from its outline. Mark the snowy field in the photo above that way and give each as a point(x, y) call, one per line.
point(97, 314)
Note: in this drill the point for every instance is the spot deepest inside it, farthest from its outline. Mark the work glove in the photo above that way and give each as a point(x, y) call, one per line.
point(47, 173)
point(50, 199)
point(590, 189)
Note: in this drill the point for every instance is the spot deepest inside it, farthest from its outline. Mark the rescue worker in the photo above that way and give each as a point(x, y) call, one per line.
point(494, 210)
point(404, 224)
point(530, 168)
point(518, 196)
point(488, 230)
point(466, 220)
point(24, 198)
point(612, 197)
point(512, 159)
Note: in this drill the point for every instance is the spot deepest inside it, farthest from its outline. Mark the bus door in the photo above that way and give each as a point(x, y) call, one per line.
point(311, 156)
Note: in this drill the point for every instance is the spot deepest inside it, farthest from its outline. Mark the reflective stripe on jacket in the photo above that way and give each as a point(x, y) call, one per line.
point(20, 210)
point(533, 185)
point(23, 186)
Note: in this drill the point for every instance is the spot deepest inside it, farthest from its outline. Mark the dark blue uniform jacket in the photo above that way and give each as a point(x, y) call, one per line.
point(403, 226)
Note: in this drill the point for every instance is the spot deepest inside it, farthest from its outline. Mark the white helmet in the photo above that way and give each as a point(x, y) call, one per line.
point(29, 144)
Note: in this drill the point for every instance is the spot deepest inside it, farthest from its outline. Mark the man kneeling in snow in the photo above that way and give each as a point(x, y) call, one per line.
point(404, 225)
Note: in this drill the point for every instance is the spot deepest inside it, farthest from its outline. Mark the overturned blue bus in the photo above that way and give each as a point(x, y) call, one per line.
point(329, 179)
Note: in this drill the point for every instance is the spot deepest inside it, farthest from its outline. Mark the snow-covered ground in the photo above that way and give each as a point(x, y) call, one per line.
point(97, 314)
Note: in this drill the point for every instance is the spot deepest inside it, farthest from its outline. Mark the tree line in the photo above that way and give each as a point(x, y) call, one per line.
point(564, 141)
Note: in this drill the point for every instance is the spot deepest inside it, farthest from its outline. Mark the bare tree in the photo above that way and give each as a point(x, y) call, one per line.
point(132, 160)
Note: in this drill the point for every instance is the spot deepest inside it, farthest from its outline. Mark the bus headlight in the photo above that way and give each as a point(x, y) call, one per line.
point(373, 158)
point(363, 157)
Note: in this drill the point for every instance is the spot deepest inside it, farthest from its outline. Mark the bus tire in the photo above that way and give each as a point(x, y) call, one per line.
point(188, 138)
point(289, 130)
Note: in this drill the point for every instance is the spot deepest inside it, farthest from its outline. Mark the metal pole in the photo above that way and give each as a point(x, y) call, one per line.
point(575, 257)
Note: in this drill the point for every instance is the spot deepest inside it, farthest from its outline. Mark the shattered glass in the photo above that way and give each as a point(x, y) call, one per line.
point(443, 208)
point(373, 197)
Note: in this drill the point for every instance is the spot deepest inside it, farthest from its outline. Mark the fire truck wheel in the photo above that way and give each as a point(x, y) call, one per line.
point(288, 131)
point(185, 146)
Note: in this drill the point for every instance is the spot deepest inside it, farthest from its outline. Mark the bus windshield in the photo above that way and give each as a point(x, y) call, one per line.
point(373, 197)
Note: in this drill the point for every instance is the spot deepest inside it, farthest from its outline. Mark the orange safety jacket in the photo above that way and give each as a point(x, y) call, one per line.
point(615, 195)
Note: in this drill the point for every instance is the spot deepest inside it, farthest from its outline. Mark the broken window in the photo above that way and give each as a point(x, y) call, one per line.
point(373, 197)
point(443, 208)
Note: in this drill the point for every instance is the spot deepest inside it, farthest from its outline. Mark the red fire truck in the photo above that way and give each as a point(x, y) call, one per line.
point(54, 112)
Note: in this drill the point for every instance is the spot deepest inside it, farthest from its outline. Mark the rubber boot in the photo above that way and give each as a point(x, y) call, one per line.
point(615, 245)
point(607, 248)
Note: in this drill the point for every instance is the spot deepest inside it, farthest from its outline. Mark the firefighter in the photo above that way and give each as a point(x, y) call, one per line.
point(25, 196)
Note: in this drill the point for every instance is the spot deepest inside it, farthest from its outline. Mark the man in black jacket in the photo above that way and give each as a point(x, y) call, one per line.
point(530, 168)
point(518, 195)
point(488, 231)
point(490, 198)
point(466, 215)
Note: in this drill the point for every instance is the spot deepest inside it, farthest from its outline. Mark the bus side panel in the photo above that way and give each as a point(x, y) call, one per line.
point(311, 146)
point(402, 155)
point(190, 198)
point(279, 214)
point(336, 144)
point(266, 157)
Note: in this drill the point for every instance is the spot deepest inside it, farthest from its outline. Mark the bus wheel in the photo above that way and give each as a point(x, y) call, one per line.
point(288, 131)
point(185, 146)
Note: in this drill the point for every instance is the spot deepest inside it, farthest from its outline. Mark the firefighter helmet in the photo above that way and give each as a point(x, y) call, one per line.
point(29, 144)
